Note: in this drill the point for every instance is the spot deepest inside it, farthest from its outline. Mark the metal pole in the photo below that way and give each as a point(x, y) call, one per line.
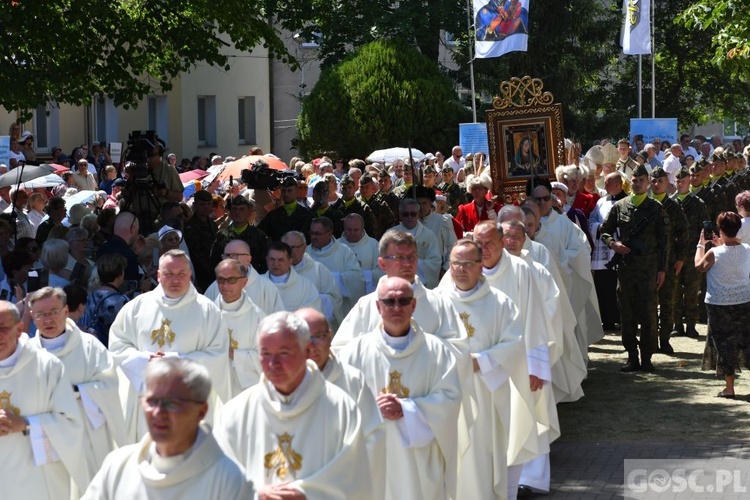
point(469, 15)
point(640, 86)
point(653, 63)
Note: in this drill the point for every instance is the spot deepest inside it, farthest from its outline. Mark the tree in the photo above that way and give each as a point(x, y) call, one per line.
point(68, 50)
point(386, 94)
point(727, 22)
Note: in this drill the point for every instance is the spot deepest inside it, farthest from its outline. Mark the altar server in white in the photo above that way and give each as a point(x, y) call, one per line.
point(365, 249)
point(242, 318)
point(263, 293)
point(415, 380)
point(323, 279)
point(428, 249)
point(326, 249)
point(504, 416)
point(179, 458)
point(41, 426)
point(171, 320)
point(89, 367)
point(296, 435)
point(296, 291)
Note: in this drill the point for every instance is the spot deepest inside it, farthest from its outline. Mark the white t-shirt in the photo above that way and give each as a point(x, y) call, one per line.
point(728, 280)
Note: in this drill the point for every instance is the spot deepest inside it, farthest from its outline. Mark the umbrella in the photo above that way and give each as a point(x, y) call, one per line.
point(191, 175)
point(59, 169)
point(29, 174)
point(49, 180)
point(235, 168)
point(80, 197)
point(391, 154)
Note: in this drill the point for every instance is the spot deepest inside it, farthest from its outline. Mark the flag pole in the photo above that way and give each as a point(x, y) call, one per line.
point(653, 62)
point(640, 86)
point(469, 14)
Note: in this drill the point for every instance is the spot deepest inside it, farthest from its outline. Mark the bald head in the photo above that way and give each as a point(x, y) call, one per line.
point(238, 250)
point(396, 304)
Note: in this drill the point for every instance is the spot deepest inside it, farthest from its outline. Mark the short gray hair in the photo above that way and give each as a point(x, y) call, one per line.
point(13, 310)
point(407, 202)
point(236, 264)
point(46, 293)
point(55, 254)
point(297, 234)
point(510, 212)
point(284, 321)
point(176, 254)
point(195, 377)
point(76, 233)
point(395, 237)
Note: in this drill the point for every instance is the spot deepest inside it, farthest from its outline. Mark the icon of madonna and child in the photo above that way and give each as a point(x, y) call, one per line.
point(526, 161)
point(499, 19)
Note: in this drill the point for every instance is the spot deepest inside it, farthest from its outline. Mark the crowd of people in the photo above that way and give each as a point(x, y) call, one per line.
point(362, 330)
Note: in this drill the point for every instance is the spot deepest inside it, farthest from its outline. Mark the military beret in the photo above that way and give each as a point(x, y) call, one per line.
point(658, 172)
point(682, 173)
point(640, 171)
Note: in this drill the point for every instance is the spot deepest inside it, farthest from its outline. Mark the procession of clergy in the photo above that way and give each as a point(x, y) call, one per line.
point(354, 368)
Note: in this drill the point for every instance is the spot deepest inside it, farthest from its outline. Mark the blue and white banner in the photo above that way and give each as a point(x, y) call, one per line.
point(501, 26)
point(636, 29)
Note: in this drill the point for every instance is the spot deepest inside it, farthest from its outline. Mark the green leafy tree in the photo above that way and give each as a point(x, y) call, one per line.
point(68, 50)
point(386, 94)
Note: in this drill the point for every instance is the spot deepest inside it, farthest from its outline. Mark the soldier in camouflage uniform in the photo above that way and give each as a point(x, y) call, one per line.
point(637, 229)
point(386, 194)
point(716, 200)
point(455, 193)
point(368, 187)
point(406, 190)
point(677, 254)
point(687, 292)
point(349, 204)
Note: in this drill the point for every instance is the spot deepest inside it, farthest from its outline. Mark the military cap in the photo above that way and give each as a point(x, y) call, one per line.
point(658, 172)
point(643, 155)
point(696, 168)
point(429, 169)
point(682, 173)
point(447, 168)
point(203, 196)
point(640, 171)
point(346, 179)
point(383, 174)
point(289, 182)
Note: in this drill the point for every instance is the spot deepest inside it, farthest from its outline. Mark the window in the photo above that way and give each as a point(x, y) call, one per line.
point(46, 128)
point(105, 127)
point(207, 120)
point(157, 116)
point(246, 120)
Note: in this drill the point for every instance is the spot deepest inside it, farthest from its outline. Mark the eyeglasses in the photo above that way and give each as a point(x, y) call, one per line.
point(45, 315)
point(233, 280)
point(401, 301)
point(295, 247)
point(401, 258)
point(409, 214)
point(464, 263)
point(170, 405)
point(542, 198)
point(234, 256)
point(319, 339)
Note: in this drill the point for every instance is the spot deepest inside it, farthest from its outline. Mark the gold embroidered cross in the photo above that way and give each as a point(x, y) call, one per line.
point(395, 386)
point(232, 343)
point(469, 329)
point(283, 459)
point(163, 334)
point(5, 403)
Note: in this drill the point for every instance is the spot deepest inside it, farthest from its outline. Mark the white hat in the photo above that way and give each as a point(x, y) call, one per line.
point(429, 156)
point(559, 185)
point(166, 230)
point(567, 172)
point(26, 134)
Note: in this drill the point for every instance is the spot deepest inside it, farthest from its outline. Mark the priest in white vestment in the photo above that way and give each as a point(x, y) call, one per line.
point(433, 313)
point(179, 458)
point(430, 260)
point(440, 225)
point(365, 249)
point(41, 426)
point(242, 318)
point(171, 320)
point(294, 432)
point(323, 279)
point(353, 383)
point(296, 291)
point(262, 292)
point(415, 379)
point(570, 247)
point(504, 418)
point(89, 367)
point(325, 249)
point(544, 343)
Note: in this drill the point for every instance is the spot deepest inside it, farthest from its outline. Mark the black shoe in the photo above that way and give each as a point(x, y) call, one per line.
point(678, 331)
point(666, 349)
point(691, 332)
point(647, 366)
point(631, 366)
point(525, 492)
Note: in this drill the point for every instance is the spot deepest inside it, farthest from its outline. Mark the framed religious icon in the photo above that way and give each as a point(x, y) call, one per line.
point(525, 137)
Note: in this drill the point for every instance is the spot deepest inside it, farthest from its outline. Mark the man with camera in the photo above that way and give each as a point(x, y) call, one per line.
point(152, 183)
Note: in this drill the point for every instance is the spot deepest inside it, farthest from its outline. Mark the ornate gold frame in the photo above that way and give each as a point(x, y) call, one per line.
point(523, 110)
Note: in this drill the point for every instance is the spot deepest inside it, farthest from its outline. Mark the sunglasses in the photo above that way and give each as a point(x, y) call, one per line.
point(402, 301)
point(542, 198)
point(409, 214)
point(233, 280)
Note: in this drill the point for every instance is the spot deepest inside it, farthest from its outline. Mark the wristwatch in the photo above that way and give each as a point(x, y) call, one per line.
point(26, 428)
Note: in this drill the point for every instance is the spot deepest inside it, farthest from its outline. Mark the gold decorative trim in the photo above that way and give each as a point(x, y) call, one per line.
point(521, 93)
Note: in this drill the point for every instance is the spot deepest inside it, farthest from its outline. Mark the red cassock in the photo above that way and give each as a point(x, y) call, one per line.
point(468, 217)
point(585, 202)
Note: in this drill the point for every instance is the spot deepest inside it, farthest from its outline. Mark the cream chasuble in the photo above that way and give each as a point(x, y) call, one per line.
point(262, 292)
point(428, 251)
point(91, 368)
point(192, 328)
point(421, 448)
point(325, 283)
point(296, 292)
point(367, 253)
point(314, 441)
point(36, 387)
point(442, 227)
point(242, 322)
point(340, 260)
point(503, 430)
point(204, 472)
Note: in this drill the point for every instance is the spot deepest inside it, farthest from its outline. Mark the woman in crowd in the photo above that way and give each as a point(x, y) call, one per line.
point(742, 201)
point(54, 259)
point(106, 299)
point(78, 241)
point(727, 265)
point(35, 206)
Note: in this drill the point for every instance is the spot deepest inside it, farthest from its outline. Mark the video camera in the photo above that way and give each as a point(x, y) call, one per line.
point(141, 146)
point(261, 176)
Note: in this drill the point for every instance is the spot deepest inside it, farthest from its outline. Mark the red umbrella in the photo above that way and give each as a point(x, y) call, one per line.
point(191, 175)
point(58, 169)
point(235, 168)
